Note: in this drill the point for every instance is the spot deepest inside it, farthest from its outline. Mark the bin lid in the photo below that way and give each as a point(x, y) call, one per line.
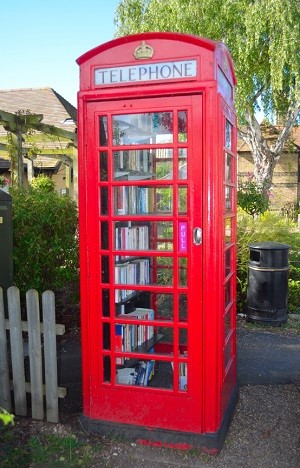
point(5, 196)
point(268, 246)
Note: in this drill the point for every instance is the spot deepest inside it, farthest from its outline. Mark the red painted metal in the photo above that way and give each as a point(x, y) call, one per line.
point(210, 350)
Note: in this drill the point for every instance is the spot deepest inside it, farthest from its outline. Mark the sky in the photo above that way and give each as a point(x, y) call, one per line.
point(41, 40)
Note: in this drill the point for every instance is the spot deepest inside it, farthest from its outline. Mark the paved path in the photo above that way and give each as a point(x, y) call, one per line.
point(264, 357)
point(265, 430)
point(268, 357)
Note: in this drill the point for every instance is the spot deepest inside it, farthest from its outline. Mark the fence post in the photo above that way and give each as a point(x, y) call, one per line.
point(48, 303)
point(35, 354)
point(16, 344)
point(5, 396)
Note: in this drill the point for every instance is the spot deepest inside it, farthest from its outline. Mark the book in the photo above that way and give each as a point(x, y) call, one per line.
point(119, 331)
point(126, 376)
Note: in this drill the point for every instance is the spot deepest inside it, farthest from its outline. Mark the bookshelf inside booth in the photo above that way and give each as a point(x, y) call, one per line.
point(143, 161)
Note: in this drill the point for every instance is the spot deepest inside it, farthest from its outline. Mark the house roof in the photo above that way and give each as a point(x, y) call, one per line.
point(55, 109)
point(40, 162)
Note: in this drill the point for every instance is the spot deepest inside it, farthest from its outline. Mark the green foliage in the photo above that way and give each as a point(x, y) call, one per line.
point(267, 227)
point(2, 181)
point(264, 42)
point(294, 295)
point(6, 417)
point(44, 183)
point(252, 198)
point(45, 250)
point(48, 450)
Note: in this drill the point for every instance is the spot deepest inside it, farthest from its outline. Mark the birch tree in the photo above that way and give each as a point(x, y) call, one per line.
point(263, 37)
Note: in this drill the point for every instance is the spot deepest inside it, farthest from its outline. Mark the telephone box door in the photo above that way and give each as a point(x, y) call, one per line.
point(144, 265)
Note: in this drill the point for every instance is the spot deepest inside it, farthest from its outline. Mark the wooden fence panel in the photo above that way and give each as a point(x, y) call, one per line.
point(16, 344)
point(5, 396)
point(48, 302)
point(14, 354)
point(35, 354)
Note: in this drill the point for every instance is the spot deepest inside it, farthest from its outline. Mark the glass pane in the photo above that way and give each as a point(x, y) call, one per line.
point(228, 128)
point(182, 126)
point(228, 231)
point(143, 164)
point(227, 262)
point(142, 200)
point(183, 377)
point(183, 307)
point(104, 269)
point(140, 236)
point(227, 352)
point(103, 130)
point(182, 200)
point(162, 166)
point(139, 271)
point(103, 200)
point(131, 237)
point(228, 168)
point(105, 302)
point(151, 373)
point(183, 333)
point(227, 324)
point(106, 335)
point(137, 300)
point(104, 235)
point(228, 198)
point(183, 269)
point(163, 271)
point(147, 128)
point(164, 200)
point(106, 369)
point(162, 235)
point(182, 163)
point(138, 337)
point(103, 166)
point(136, 271)
point(227, 293)
point(164, 307)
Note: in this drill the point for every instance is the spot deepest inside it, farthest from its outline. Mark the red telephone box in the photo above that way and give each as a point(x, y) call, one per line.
point(157, 159)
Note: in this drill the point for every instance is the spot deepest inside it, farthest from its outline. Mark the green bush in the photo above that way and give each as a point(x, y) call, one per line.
point(252, 199)
point(294, 296)
point(43, 182)
point(267, 227)
point(45, 244)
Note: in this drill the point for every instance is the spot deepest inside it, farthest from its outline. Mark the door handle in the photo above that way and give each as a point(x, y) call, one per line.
point(197, 236)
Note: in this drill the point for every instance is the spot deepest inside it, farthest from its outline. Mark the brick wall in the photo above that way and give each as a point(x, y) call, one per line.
point(286, 188)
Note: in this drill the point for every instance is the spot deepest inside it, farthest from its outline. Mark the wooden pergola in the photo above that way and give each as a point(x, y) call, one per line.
point(18, 124)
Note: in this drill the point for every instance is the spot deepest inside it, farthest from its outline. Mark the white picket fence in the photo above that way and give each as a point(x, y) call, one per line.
point(42, 355)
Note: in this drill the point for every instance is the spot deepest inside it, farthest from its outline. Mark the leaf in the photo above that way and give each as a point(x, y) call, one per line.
point(6, 417)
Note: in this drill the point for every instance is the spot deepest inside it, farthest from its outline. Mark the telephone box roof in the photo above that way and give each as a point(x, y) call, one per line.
point(202, 42)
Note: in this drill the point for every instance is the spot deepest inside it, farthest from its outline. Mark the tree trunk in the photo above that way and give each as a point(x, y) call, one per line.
point(265, 155)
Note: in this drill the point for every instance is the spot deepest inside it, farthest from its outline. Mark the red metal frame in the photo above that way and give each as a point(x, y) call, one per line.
point(211, 381)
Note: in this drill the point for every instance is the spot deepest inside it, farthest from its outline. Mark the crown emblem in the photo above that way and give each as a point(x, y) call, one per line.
point(143, 52)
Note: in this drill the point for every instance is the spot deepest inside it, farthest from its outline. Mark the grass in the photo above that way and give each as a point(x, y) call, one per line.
point(292, 325)
point(45, 450)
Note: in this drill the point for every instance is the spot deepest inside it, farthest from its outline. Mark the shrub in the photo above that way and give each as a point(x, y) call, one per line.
point(45, 250)
point(252, 199)
point(6, 417)
point(267, 227)
point(43, 183)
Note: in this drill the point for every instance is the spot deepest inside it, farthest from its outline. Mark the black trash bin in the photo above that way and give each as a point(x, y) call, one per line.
point(267, 293)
